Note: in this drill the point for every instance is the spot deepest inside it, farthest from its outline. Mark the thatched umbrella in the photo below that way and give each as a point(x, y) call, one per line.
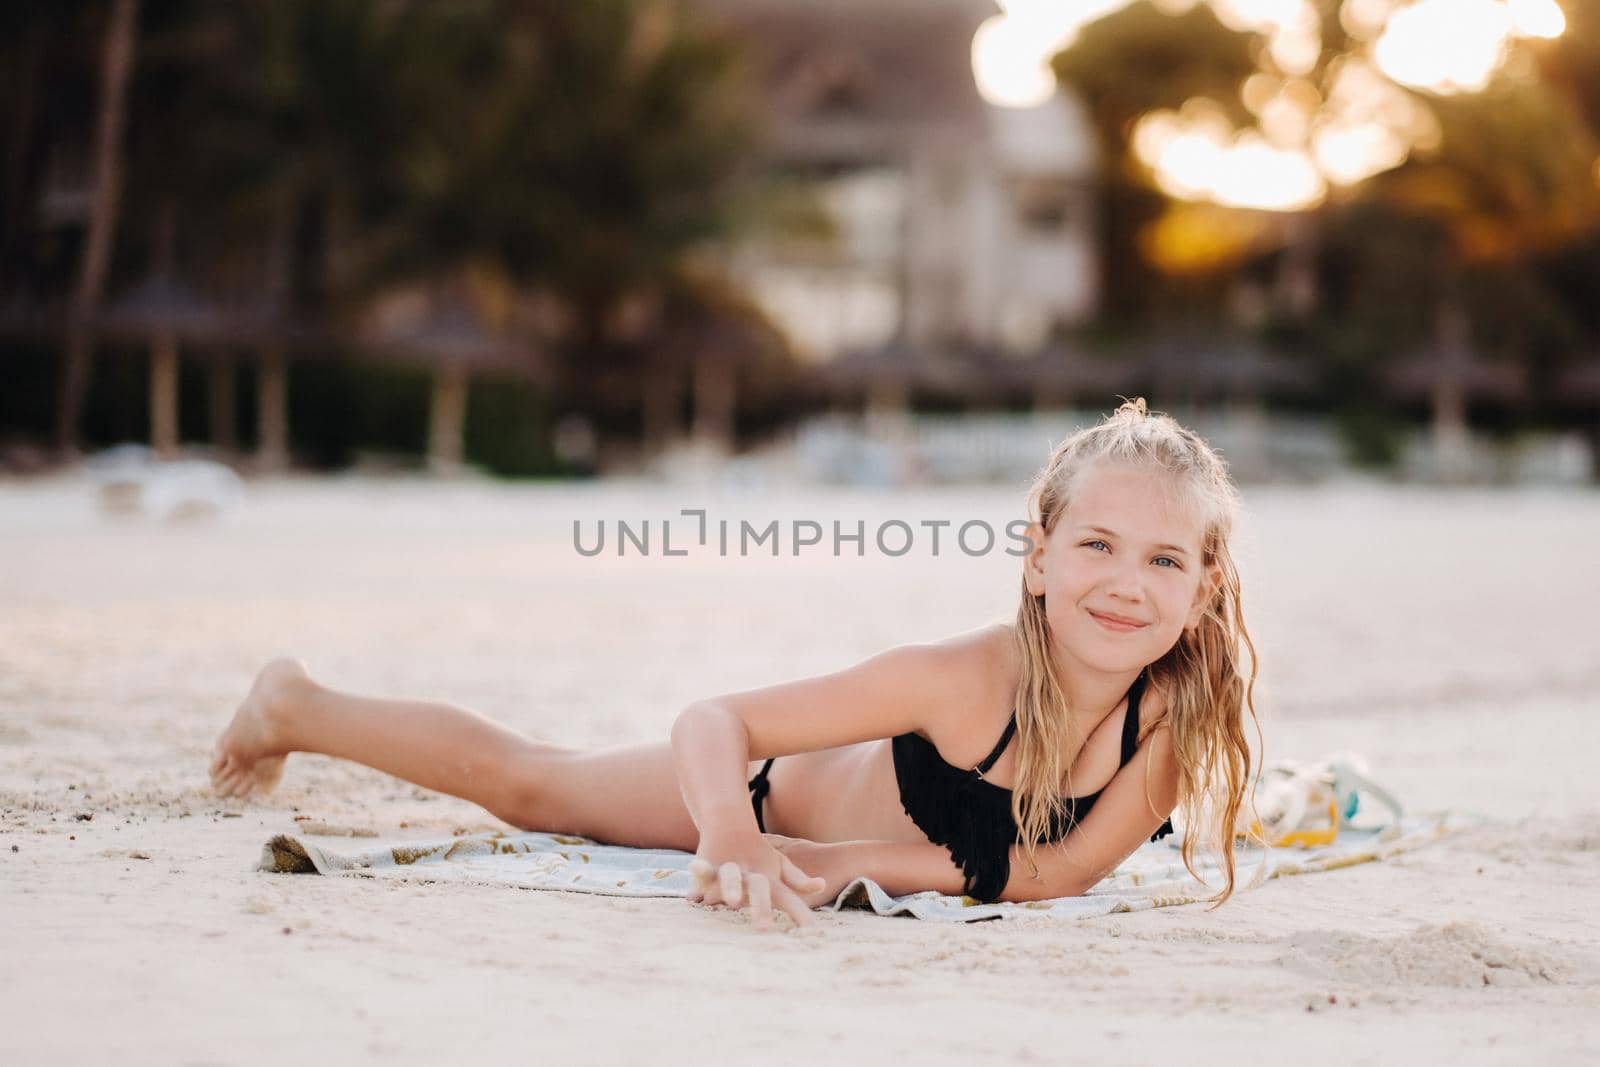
point(1580, 384)
point(24, 319)
point(1449, 372)
point(884, 375)
point(165, 310)
point(1061, 375)
point(268, 328)
point(1239, 370)
point(1450, 376)
point(449, 332)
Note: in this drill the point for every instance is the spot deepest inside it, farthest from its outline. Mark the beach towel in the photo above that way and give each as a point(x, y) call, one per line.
point(1153, 877)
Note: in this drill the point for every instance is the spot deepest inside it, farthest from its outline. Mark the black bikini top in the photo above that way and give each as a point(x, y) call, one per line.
point(972, 816)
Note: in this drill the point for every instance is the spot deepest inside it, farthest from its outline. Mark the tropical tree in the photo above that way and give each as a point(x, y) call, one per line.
point(298, 163)
point(1132, 62)
point(120, 35)
point(602, 146)
point(1471, 189)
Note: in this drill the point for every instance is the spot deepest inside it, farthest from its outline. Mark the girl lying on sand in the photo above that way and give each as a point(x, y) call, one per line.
point(1017, 762)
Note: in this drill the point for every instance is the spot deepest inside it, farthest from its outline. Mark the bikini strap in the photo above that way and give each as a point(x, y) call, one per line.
point(1005, 739)
point(1130, 720)
point(1130, 728)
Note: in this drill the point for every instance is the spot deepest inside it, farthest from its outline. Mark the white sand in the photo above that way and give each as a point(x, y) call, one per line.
point(1450, 637)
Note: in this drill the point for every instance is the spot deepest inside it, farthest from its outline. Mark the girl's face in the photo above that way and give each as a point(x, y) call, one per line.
point(1121, 573)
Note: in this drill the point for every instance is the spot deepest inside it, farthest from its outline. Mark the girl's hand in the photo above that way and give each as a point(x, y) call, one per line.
point(750, 871)
point(835, 865)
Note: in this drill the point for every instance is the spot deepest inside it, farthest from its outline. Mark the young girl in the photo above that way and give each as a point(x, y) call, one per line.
point(1016, 762)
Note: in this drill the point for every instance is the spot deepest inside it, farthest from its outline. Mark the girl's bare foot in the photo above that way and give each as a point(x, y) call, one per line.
point(249, 756)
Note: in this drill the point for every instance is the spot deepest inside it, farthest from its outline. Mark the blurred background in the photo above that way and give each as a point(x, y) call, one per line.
point(893, 242)
point(403, 294)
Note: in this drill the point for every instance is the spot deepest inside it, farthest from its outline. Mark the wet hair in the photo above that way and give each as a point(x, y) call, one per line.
point(1203, 677)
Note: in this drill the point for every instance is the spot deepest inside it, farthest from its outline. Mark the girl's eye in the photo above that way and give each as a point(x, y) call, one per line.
point(1165, 561)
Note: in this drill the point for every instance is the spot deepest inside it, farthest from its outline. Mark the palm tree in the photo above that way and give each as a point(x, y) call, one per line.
point(286, 143)
point(116, 65)
point(594, 151)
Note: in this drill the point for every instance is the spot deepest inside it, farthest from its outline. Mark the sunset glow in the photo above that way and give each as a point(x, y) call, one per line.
point(1445, 46)
point(1196, 155)
point(1314, 128)
point(1368, 124)
point(1538, 18)
point(1010, 70)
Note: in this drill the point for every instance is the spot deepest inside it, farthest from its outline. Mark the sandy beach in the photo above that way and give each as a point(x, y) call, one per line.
point(1448, 636)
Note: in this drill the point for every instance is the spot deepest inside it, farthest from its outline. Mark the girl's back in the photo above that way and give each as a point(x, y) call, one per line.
point(852, 792)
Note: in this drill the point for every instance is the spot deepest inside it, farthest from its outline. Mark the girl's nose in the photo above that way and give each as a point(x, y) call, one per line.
point(1124, 582)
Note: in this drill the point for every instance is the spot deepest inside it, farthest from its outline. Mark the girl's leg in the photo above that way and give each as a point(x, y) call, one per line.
point(623, 796)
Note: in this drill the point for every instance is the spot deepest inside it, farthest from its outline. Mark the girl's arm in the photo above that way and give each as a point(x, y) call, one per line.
point(905, 689)
point(1121, 820)
point(900, 867)
point(1132, 808)
point(895, 692)
point(903, 867)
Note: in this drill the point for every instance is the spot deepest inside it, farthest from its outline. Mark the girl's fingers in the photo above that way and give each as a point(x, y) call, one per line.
point(731, 882)
point(701, 872)
point(703, 883)
point(728, 885)
point(799, 880)
point(792, 905)
point(760, 901)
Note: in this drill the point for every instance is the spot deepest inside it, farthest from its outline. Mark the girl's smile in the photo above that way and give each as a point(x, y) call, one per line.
point(1120, 573)
point(1116, 623)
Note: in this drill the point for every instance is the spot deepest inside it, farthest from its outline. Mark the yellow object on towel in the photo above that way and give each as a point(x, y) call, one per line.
point(1299, 805)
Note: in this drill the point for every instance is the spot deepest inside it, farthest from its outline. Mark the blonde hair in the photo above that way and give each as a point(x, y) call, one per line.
point(1202, 676)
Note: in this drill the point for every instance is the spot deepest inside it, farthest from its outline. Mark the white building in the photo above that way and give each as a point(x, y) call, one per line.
point(947, 223)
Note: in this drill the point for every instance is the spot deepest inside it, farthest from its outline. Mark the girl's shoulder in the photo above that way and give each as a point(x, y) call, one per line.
point(988, 655)
point(979, 675)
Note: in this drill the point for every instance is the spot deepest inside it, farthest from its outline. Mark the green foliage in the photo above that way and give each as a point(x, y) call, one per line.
point(1383, 272)
point(508, 429)
point(340, 406)
point(1138, 60)
point(316, 154)
point(1131, 62)
point(1372, 436)
point(28, 398)
point(590, 148)
point(116, 409)
point(1513, 174)
point(1501, 219)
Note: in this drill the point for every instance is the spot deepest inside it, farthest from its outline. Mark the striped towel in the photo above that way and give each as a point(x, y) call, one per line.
point(1153, 877)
